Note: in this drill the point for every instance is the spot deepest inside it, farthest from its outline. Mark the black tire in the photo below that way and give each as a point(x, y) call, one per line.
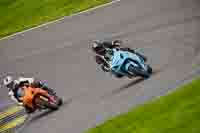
point(28, 110)
point(60, 101)
point(119, 76)
point(149, 69)
point(138, 72)
point(53, 106)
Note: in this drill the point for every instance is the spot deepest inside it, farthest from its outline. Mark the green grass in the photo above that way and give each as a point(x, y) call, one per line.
point(17, 15)
point(178, 112)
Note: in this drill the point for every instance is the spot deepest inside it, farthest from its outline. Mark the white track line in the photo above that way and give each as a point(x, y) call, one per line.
point(57, 20)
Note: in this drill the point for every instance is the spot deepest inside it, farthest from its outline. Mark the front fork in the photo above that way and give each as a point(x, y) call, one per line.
point(129, 72)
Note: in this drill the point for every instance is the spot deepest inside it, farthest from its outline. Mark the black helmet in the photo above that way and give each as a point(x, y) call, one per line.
point(98, 48)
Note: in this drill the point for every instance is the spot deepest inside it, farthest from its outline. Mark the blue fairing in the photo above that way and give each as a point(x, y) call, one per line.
point(121, 60)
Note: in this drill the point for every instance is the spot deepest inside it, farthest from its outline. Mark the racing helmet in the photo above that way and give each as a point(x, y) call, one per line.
point(8, 81)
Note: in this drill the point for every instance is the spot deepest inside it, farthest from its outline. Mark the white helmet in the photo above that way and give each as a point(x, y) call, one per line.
point(8, 80)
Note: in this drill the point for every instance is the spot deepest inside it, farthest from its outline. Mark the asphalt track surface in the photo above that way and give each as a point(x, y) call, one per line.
point(167, 30)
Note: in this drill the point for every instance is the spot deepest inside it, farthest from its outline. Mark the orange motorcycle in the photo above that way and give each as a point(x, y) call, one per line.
point(37, 98)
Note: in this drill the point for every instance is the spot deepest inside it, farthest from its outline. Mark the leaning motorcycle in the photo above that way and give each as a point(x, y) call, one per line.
point(37, 98)
point(128, 64)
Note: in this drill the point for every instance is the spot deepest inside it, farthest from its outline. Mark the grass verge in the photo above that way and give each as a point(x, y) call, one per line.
point(18, 15)
point(178, 112)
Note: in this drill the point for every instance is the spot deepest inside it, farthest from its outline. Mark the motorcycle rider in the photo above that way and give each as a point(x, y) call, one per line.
point(103, 51)
point(15, 88)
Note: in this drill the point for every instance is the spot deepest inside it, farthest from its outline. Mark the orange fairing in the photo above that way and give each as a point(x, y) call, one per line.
point(29, 94)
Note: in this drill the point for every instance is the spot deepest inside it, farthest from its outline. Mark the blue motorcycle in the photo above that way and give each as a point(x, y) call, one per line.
point(124, 63)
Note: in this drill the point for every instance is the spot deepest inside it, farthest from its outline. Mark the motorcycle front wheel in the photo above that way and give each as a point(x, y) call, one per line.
point(136, 71)
point(44, 102)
